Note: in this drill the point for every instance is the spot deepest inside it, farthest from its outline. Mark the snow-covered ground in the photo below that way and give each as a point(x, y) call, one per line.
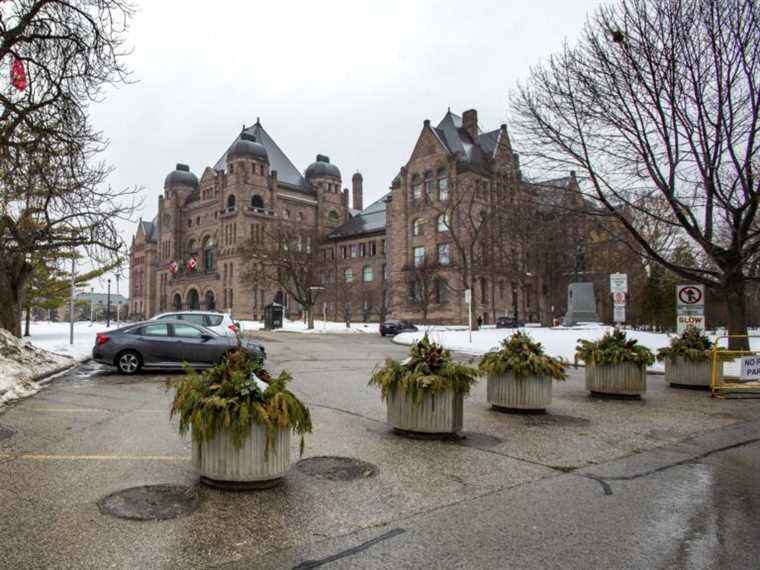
point(557, 341)
point(330, 327)
point(46, 351)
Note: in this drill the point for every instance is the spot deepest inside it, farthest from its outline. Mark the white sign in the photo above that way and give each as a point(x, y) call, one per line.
point(467, 295)
point(686, 321)
point(618, 313)
point(750, 367)
point(618, 283)
point(618, 297)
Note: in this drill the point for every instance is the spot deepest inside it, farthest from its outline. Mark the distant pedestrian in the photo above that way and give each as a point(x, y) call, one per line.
point(480, 321)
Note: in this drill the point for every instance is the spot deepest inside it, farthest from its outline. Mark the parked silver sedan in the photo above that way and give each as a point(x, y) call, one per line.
point(165, 345)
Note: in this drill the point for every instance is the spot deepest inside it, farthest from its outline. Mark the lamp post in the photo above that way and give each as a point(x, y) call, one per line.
point(118, 299)
point(92, 305)
point(108, 305)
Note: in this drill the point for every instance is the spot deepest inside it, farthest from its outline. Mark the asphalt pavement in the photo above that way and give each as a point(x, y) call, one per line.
point(667, 482)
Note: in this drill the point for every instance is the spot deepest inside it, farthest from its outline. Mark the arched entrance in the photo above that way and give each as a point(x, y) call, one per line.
point(177, 302)
point(193, 303)
point(210, 301)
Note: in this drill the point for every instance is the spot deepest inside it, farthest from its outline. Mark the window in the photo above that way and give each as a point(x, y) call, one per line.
point(286, 214)
point(208, 255)
point(443, 253)
point(257, 202)
point(344, 252)
point(214, 320)
point(419, 256)
point(230, 202)
point(416, 188)
point(195, 319)
point(187, 331)
point(367, 274)
point(441, 290)
point(385, 272)
point(443, 222)
point(155, 330)
point(443, 185)
point(417, 226)
point(354, 250)
point(372, 249)
point(348, 275)
point(300, 216)
point(362, 250)
point(428, 185)
point(333, 217)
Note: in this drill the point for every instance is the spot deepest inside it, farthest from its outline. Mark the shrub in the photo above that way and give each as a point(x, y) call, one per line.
point(691, 345)
point(523, 357)
point(228, 398)
point(429, 369)
point(613, 348)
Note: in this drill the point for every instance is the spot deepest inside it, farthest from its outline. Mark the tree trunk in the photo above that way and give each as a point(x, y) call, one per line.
point(28, 321)
point(737, 313)
point(310, 317)
point(13, 277)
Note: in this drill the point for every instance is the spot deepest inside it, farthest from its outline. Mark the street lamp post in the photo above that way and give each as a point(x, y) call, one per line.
point(108, 305)
point(92, 305)
point(118, 299)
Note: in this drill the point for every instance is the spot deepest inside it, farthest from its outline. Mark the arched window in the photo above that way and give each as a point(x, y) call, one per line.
point(443, 222)
point(230, 202)
point(418, 226)
point(192, 247)
point(333, 217)
point(443, 185)
point(208, 255)
point(348, 274)
point(416, 188)
point(367, 274)
point(177, 302)
point(210, 301)
point(257, 202)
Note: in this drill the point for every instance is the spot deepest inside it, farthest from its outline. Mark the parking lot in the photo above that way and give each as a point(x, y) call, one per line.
point(668, 481)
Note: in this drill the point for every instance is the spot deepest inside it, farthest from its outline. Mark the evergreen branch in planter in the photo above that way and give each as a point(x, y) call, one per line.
point(228, 398)
point(613, 348)
point(523, 357)
point(429, 369)
point(691, 345)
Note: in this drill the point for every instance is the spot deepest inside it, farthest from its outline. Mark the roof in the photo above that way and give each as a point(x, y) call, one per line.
point(150, 229)
point(286, 170)
point(101, 298)
point(457, 140)
point(371, 220)
point(181, 176)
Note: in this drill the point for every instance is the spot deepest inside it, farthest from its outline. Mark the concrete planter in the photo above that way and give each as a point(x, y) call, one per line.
point(221, 464)
point(438, 413)
point(682, 372)
point(617, 379)
point(531, 393)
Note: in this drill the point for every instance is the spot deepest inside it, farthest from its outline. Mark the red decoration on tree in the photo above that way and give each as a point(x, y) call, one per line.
point(192, 264)
point(173, 267)
point(18, 75)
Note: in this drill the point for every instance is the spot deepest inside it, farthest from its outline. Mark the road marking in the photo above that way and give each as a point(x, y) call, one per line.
point(70, 410)
point(73, 457)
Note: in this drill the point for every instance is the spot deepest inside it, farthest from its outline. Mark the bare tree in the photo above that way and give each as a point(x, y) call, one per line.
point(424, 279)
point(661, 101)
point(51, 184)
point(289, 258)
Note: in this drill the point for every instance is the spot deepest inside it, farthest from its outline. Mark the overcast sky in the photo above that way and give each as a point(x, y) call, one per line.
point(350, 79)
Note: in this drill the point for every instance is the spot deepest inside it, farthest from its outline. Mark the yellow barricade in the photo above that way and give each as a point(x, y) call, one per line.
point(726, 381)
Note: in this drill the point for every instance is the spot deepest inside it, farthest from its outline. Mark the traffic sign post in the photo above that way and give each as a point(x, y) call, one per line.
point(690, 307)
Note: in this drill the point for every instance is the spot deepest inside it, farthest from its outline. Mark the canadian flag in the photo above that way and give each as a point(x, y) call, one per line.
point(18, 75)
point(173, 267)
point(192, 264)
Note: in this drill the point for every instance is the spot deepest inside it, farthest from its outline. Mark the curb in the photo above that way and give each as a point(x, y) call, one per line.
point(48, 377)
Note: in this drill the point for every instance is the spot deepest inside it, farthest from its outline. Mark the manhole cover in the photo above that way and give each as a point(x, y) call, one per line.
point(336, 468)
point(151, 503)
point(6, 432)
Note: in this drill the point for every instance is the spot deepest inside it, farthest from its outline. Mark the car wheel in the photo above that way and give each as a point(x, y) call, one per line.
point(129, 362)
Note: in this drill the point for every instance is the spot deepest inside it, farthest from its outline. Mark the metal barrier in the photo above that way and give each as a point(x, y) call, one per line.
point(730, 385)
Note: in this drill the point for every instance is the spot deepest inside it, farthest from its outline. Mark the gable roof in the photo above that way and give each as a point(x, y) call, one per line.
point(457, 140)
point(278, 160)
point(370, 220)
point(149, 228)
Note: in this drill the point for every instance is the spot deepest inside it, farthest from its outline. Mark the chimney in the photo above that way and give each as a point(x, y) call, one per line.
point(357, 191)
point(470, 123)
point(345, 197)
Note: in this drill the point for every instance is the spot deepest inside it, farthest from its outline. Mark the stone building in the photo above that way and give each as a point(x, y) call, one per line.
point(456, 217)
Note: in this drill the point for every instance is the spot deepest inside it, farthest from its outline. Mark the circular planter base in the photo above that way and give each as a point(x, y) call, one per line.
point(690, 387)
point(241, 485)
point(523, 411)
point(615, 396)
point(448, 436)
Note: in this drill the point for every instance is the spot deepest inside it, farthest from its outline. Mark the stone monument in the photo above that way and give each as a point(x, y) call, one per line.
point(581, 301)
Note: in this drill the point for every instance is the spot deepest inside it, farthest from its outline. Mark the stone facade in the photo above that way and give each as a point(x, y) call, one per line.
point(410, 254)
